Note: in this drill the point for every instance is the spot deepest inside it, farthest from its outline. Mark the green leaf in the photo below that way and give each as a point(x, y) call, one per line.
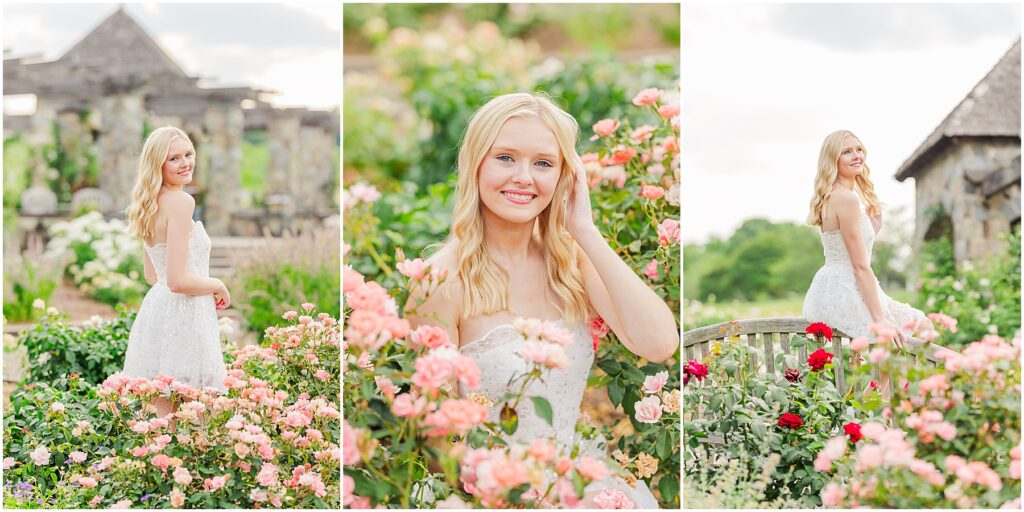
point(615, 392)
point(543, 409)
point(669, 487)
point(610, 366)
point(662, 446)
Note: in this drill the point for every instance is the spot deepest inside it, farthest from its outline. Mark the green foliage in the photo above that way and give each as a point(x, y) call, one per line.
point(94, 351)
point(284, 274)
point(73, 160)
point(985, 298)
point(737, 485)
point(105, 261)
point(255, 159)
point(740, 409)
point(17, 159)
point(761, 259)
point(26, 280)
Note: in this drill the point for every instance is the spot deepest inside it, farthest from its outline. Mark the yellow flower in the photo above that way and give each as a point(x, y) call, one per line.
point(646, 465)
point(479, 399)
point(670, 401)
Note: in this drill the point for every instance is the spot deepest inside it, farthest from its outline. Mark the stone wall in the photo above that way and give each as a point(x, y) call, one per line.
point(222, 147)
point(977, 221)
point(119, 143)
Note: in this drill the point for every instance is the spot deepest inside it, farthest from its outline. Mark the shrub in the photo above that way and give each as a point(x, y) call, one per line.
point(951, 438)
point(29, 281)
point(93, 351)
point(985, 297)
point(284, 273)
point(105, 261)
point(262, 444)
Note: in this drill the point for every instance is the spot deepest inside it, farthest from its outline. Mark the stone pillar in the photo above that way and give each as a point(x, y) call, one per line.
point(119, 145)
point(283, 144)
point(316, 171)
point(222, 159)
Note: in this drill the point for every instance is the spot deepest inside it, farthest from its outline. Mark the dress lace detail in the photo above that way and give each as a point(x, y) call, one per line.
point(835, 299)
point(176, 334)
point(496, 355)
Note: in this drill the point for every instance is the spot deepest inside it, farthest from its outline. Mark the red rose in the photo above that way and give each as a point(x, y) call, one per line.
point(819, 359)
point(853, 430)
point(790, 420)
point(697, 370)
point(792, 375)
point(820, 328)
point(598, 330)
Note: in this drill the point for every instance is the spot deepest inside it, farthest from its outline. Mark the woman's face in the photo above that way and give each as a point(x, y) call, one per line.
point(179, 163)
point(851, 158)
point(518, 175)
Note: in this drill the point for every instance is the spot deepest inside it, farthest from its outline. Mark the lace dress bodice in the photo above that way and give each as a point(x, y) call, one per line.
point(177, 334)
point(835, 298)
point(496, 355)
point(199, 246)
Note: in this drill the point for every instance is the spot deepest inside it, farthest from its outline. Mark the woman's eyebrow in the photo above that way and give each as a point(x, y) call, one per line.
point(543, 154)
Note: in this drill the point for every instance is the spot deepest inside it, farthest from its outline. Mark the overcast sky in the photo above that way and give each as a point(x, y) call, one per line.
point(290, 48)
point(763, 84)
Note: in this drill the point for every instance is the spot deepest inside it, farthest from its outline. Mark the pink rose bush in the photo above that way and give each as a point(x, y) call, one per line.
point(403, 413)
point(272, 440)
point(949, 439)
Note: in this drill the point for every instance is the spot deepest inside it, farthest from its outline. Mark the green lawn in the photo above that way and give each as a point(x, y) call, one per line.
point(697, 314)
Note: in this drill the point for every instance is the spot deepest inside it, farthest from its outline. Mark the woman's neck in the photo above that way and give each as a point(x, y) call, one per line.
point(508, 242)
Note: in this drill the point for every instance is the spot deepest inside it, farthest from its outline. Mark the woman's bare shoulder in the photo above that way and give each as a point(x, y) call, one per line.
point(842, 200)
point(176, 202)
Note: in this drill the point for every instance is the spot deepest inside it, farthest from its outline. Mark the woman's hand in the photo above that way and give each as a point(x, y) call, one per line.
point(579, 217)
point(222, 297)
point(900, 339)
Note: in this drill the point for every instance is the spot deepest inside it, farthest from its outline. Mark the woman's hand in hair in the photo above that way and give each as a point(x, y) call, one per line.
point(579, 216)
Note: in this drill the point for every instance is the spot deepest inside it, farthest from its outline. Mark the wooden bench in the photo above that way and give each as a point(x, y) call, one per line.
point(767, 335)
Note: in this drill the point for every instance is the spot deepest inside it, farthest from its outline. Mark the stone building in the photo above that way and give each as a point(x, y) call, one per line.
point(967, 172)
point(117, 81)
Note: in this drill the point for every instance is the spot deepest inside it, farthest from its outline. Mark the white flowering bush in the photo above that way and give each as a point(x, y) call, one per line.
point(104, 260)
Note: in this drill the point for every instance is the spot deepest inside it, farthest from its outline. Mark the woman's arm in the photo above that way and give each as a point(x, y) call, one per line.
point(147, 267)
point(179, 207)
point(848, 212)
point(640, 319)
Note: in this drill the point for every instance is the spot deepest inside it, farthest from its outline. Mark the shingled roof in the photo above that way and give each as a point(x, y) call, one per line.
point(991, 109)
point(119, 45)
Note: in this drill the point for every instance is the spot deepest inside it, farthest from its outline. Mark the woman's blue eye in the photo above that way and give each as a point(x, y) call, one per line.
point(545, 163)
point(504, 158)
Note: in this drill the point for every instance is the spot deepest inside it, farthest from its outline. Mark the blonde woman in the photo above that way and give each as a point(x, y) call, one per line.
point(523, 244)
point(845, 293)
point(175, 332)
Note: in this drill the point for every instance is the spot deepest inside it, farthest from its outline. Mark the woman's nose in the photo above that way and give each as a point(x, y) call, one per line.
point(522, 175)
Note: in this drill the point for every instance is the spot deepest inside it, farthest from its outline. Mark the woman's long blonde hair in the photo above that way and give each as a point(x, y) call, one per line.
point(486, 283)
point(828, 172)
point(141, 212)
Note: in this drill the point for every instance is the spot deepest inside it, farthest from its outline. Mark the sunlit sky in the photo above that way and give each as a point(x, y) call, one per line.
point(294, 49)
point(763, 84)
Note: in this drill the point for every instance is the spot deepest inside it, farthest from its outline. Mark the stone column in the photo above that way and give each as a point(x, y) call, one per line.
point(119, 144)
point(315, 173)
point(283, 144)
point(222, 158)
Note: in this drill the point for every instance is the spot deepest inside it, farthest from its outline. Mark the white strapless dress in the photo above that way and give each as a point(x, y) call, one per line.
point(835, 299)
point(496, 355)
point(176, 334)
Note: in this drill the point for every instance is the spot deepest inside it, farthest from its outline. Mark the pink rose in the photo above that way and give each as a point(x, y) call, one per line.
point(563, 465)
point(652, 192)
point(351, 280)
point(614, 174)
point(364, 192)
point(386, 387)
point(415, 269)
point(404, 406)
point(41, 456)
point(668, 111)
point(508, 473)
point(350, 437)
point(651, 270)
point(647, 97)
point(177, 498)
point(542, 450)
point(77, 456)
point(613, 499)
point(182, 476)
point(656, 170)
point(944, 320)
point(648, 410)
point(430, 336)
point(289, 315)
point(467, 371)
point(858, 344)
point(267, 476)
point(308, 306)
point(348, 485)
point(654, 383)
point(322, 375)
point(591, 469)
point(945, 430)
point(215, 483)
point(87, 482)
point(877, 355)
point(431, 372)
point(832, 495)
point(642, 133)
point(668, 232)
point(122, 504)
point(161, 461)
point(462, 415)
point(9, 462)
point(605, 127)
